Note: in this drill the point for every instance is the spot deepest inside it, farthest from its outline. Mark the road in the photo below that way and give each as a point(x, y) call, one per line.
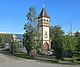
point(11, 61)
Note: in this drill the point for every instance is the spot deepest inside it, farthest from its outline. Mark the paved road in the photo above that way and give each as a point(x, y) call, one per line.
point(11, 61)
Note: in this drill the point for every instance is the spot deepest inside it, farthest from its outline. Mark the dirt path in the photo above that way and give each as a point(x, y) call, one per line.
point(6, 58)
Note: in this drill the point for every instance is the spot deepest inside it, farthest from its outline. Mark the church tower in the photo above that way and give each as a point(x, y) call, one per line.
point(44, 30)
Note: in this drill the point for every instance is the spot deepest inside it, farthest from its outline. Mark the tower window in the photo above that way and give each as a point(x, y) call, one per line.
point(47, 19)
point(44, 19)
point(41, 19)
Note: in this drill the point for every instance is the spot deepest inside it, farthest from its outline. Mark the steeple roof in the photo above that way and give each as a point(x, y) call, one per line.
point(43, 14)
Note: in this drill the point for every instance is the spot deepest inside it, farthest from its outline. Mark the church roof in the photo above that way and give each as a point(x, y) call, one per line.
point(43, 14)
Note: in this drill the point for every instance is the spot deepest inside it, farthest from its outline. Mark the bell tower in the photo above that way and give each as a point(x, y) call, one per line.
point(44, 30)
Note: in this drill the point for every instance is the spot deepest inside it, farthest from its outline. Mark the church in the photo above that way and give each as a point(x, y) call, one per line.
point(45, 42)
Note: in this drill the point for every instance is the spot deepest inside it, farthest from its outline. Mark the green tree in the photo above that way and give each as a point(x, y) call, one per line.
point(31, 35)
point(15, 47)
point(57, 41)
point(1, 42)
point(77, 51)
point(28, 39)
point(70, 42)
point(6, 38)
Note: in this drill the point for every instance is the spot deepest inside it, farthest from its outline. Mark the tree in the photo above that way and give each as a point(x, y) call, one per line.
point(28, 39)
point(57, 41)
point(6, 38)
point(70, 42)
point(15, 47)
point(31, 35)
point(77, 51)
point(1, 42)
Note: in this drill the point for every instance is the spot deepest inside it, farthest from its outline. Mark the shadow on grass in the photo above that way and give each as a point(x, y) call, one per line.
point(6, 53)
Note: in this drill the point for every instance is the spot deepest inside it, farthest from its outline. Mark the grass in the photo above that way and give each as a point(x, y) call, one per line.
point(23, 55)
point(66, 61)
point(71, 60)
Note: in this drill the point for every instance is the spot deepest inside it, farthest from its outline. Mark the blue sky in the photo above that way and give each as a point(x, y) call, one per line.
point(61, 12)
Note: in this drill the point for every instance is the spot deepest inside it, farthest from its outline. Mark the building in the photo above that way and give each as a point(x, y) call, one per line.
point(18, 38)
point(44, 30)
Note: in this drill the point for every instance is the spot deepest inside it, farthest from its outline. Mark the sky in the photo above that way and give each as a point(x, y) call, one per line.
point(61, 12)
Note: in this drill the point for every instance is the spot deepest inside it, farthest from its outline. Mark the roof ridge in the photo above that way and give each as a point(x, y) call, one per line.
point(43, 13)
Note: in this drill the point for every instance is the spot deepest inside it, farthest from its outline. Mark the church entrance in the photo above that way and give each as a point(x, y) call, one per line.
point(46, 46)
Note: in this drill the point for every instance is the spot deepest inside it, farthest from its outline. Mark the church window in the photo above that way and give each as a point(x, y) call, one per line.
point(44, 19)
point(47, 19)
point(41, 19)
point(46, 34)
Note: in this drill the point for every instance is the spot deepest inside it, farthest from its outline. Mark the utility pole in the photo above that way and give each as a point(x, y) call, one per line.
point(71, 28)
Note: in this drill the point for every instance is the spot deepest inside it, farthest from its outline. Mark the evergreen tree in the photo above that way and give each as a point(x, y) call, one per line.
point(57, 41)
point(70, 42)
point(77, 51)
point(1, 42)
point(5, 38)
point(31, 35)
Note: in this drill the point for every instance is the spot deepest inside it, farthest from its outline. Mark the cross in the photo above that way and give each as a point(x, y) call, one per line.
point(43, 4)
